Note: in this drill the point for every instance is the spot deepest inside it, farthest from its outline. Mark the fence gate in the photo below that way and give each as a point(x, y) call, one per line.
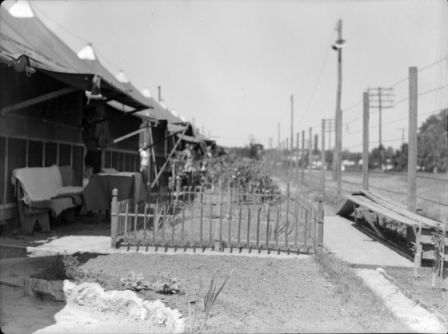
point(218, 218)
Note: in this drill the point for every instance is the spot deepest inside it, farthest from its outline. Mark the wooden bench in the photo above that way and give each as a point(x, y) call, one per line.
point(43, 190)
point(375, 210)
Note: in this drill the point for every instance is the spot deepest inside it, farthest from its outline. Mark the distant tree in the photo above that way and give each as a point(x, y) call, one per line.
point(255, 151)
point(352, 156)
point(389, 153)
point(433, 143)
point(375, 157)
point(400, 159)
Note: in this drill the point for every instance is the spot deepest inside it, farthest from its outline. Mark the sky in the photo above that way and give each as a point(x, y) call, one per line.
point(231, 66)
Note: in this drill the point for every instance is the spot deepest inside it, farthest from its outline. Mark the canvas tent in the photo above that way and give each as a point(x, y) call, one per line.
point(44, 110)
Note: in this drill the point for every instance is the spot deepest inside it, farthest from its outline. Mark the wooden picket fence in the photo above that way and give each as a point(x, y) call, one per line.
point(220, 219)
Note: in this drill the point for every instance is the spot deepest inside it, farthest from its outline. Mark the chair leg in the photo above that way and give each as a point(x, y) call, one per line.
point(26, 221)
point(44, 221)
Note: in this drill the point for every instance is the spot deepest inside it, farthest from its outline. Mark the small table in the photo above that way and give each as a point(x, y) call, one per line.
point(98, 192)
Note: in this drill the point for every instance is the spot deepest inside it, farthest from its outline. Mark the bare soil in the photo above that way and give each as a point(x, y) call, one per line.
point(262, 295)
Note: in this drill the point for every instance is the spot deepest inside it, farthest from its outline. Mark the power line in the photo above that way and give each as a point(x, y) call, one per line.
point(352, 106)
point(424, 68)
point(352, 120)
point(432, 90)
point(319, 76)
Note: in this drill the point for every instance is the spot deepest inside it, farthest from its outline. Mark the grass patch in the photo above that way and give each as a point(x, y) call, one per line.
point(358, 300)
point(420, 288)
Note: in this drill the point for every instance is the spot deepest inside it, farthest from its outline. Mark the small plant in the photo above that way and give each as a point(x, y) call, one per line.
point(438, 242)
point(212, 294)
point(167, 286)
point(134, 282)
point(72, 268)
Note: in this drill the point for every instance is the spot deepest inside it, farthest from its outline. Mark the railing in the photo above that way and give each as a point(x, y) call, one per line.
point(219, 218)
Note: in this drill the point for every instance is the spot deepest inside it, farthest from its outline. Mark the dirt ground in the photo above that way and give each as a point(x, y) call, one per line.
point(20, 314)
point(262, 295)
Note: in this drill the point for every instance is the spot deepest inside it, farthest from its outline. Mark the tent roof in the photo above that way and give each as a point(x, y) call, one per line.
point(46, 52)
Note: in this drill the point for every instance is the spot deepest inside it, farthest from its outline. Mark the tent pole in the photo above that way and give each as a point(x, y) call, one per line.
point(151, 139)
point(36, 100)
point(131, 134)
point(168, 158)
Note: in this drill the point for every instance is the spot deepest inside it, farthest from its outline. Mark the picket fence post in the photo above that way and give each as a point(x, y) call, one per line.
point(114, 218)
point(320, 227)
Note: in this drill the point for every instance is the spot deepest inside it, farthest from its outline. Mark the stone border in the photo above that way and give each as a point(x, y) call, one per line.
point(399, 286)
point(409, 295)
point(55, 288)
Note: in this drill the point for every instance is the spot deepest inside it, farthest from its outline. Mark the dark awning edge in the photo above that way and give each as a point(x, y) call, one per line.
point(84, 82)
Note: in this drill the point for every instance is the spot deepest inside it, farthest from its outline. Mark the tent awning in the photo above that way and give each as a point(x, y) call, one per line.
point(30, 40)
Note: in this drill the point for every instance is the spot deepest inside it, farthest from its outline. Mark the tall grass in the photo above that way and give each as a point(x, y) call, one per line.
point(212, 294)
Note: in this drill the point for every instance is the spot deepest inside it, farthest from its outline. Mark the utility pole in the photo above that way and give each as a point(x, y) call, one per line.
point(365, 142)
point(337, 46)
point(302, 156)
point(412, 141)
point(402, 135)
point(322, 159)
point(381, 98)
point(292, 122)
point(297, 157)
point(310, 149)
point(329, 127)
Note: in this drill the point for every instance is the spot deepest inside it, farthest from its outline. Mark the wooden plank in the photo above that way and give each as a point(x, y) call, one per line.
point(239, 226)
point(305, 229)
point(400, 209)
point(296, 223)
point(201, 222)
point(126, 222)
point(182, 232)
point(220, 214)
point(211, 218)
point(135, 220)
point(267, 225)
point(379, 209)
point(155, 228)
point(287, 216)
point(172, 229)
point(258, 226)
point(129, 135)
point(248, 226)
point(36, 100)
point(145, 219)
point(276, 226)
point(190, 194)
point(168, 159)
point(230, 217)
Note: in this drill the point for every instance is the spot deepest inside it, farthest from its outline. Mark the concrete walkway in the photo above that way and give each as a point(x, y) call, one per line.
point(354, 247)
